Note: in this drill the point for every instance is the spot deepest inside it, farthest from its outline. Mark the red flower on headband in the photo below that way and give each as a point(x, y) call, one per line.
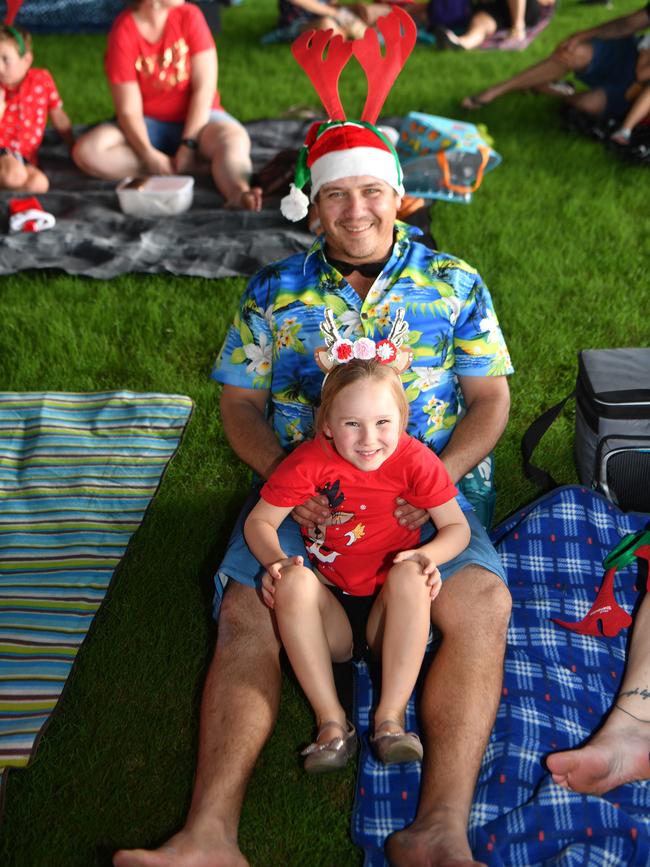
point(342, 351)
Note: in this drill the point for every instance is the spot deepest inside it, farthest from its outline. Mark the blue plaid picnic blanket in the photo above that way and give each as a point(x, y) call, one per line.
point(557, 686)
point(77, 474)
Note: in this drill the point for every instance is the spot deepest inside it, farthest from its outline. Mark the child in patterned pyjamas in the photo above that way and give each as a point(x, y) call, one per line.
point(27, 96)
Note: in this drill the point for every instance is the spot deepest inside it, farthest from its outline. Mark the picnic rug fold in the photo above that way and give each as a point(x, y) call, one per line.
point(558, 685)
point(77, 474)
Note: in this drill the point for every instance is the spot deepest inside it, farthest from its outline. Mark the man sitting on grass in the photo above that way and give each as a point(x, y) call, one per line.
point(603, 57)
point(365, 266)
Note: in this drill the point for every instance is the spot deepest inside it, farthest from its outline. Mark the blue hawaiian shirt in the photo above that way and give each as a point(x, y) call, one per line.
point(453, 331)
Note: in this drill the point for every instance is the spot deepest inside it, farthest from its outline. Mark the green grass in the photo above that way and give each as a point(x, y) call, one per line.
point(557, 232)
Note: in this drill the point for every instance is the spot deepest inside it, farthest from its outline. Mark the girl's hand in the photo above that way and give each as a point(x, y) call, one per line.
point(410, 516)
point(274, 573)
point(428, 567)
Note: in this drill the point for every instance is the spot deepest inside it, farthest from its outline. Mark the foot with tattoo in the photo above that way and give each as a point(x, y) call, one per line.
point(619, 753)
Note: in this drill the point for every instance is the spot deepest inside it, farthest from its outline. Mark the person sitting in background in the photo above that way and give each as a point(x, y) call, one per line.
point(489, 16)
point(161, 64)
point(27, 96)
point(640, 92)
point(603, 57)
point(349, 21)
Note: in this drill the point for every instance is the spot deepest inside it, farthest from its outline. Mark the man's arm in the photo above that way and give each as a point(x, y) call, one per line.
point(487, 399)
point(251, 437)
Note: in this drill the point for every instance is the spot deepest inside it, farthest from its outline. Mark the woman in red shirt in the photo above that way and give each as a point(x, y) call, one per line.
point(161, 64)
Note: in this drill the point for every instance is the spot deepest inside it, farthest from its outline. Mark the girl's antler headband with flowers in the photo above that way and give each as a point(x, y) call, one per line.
point(339, 350)
point(338, 147)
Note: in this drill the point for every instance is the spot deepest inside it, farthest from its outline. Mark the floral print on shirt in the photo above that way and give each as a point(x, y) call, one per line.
point(453, 331)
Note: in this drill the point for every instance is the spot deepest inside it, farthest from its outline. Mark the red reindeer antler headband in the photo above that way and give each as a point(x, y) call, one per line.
point(340, 147)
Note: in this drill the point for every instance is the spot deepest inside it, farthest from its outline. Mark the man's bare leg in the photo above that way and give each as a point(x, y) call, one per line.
point(239, 708)
point(459, 704)
point(546, 71)
point(620, 751)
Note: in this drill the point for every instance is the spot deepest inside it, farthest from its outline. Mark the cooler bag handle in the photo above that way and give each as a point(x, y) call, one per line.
point(530, 440)
point(441, 156)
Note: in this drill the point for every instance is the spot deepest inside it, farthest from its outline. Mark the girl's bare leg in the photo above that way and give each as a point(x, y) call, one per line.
point(14, 175)
point(315, 631)
point(399, 625)
point(480, 27)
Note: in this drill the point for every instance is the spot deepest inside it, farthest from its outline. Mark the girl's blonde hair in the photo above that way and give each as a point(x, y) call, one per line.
point(356, 371)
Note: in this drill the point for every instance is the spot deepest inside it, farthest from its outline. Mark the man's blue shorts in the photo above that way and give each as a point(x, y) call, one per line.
point(240, 565)
point(612, 69)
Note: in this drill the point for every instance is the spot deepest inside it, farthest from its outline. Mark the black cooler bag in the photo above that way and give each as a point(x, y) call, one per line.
point(612, 441)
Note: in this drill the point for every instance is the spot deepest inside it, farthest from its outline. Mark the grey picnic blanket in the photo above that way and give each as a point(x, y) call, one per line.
point(94, 238)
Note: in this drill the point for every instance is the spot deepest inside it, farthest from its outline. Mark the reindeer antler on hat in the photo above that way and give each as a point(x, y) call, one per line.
point(340, 147)
point(339, 350)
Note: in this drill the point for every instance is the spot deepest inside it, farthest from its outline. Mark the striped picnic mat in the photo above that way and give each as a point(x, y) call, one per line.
point(77, 473)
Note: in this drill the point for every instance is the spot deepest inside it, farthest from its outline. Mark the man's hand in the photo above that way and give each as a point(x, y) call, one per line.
point(428, 567)
point(314, 511)
point(158, 163)
point(274, 573)
point(410, 516)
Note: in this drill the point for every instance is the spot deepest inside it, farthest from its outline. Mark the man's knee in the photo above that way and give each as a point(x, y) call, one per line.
point(245, 622)
point(576, 57)
point(475, 601)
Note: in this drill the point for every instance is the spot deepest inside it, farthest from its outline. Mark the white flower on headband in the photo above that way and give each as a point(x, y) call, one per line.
point(386, 351)
point(364, 348)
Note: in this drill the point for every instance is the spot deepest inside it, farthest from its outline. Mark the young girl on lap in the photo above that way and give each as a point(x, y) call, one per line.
point(363, 560)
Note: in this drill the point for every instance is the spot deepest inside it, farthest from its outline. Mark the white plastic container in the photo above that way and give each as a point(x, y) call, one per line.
point(156, 196)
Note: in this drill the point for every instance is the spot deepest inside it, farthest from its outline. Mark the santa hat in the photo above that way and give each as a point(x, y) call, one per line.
point(340, 147)
point(27, 215)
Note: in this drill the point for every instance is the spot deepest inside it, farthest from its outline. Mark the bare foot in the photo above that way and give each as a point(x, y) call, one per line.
point(618, 754)
point(246, 200)
point(184, 850)
point(436, 842)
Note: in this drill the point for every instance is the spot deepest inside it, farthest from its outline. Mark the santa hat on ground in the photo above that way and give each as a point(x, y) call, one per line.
point(340, 147)
point(27, 215)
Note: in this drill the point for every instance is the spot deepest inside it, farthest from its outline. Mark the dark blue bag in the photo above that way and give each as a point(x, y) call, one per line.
point(454, 14)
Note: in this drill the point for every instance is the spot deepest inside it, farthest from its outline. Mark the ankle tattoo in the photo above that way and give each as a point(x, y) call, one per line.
point(638, 718)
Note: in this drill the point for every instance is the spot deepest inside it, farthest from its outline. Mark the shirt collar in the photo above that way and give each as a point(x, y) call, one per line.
point(404, 235)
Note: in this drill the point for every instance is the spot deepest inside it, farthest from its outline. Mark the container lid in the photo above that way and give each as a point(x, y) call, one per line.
point(160, 184)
